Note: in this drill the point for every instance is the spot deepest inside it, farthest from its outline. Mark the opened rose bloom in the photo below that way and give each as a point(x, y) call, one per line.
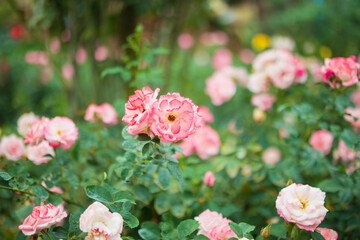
point(36, 133)
point(105, 112)
point(220, 87)
point(209, 179)
point(344, 71)
point(174, 118)
point(322, 140)
point(258, 82)
point(346, 154)
point(38, 153)
point(139, 109)
point(90, 113)
point(25, 121)
point(100, 223)
point(207, 142)
point(302, 205)
point(223, 232)
point(208, 220)
point(205, 115)
point(351, 113)
point(12, 147)
point(263, 101)
point(61, 132)
point(42, 217)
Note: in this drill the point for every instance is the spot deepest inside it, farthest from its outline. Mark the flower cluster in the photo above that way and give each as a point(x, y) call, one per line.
point(104, 112)
point(171, 117)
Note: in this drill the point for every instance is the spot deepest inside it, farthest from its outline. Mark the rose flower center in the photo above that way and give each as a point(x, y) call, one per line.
point(171, 117)
point(303, 203)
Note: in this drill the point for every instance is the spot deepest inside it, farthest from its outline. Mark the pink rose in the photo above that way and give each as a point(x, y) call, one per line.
point(188, 146)
point(68, 71)
point(346, 154)
point(206, 141)
point(258, 82)
point(105, 112)
point(46, 74)
point(37, 58)
point(174, 118)
point(209, 179)
point(322, 140)
point(36, 133)
point(100, 223)
point(205, 115)
point(12, 147)
point(344, 70)
point(354, 112)
point(271, 155)
point(81, 55)
point(90, 113)
point(66, 35)
point(37, 153)
point(25, 121)
point(220, 87)
point(327, 233)
point(222, 58)
point(282, 74)
point(238, 74)
point(283, 133)
point(55, 46)
point(223, 231)
point(42, 217)
point(101, 53)
point(263, 101)
point(139, 109)
point(54, 189)
point(61, 132)
point(208, 220)
point(185, 40)
point(246, 55)
point(283, 42)
point(355, 97)
point(302, 205)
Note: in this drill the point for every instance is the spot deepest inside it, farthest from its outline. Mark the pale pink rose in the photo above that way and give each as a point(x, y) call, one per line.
point(90, 113)
point(283, 133)
point(302, 205)
point(66, 35)
point(209, 179)
point(139, 109)
point(206, 39)
point(68, 71)
point(55, 46)
point(219, 38)
point(355, 97)
point(239, 74)
point(185, 40)
point(315, 69)
point(81, 55)
point(344, 70)
point(42, 217)
point(174, 118)
point(187, 145)
point(263, 101)
point(100, 223)
point(37, 58)
point(322, 140)
point(223, 232)
point(36, 133)
point(282, 74)
point(25, 121)
point(208, 220)
point(222, 58)
point(207, 142)
point(220, 87)
point(101, 53)
point(38, 153)
point(346, 154)
point(350, 169)
point(246, 55)
point(327, 233)
point(354, 112)
point(46, 74)
point(258, 82)
point(54, 189)
point(206, 115)
point(107, 114)
point(271, 155)
point(12, 147)
point(283, 42)
point(61, 132)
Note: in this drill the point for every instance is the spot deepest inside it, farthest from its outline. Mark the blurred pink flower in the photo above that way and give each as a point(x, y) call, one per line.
point(223, 231)
point(37, 58)
point(220, 87)
point(264, 101)
point(209, 179)
point(55, 46)
point(36, 133)
point(346, 154)
point(258, 82)
point(355, 97)
point(25, 121)
point(207, 142)
point(354, 112)
point(239, 74)
point(68, 71)
point(302, 205)
point(246, 55)
point(61, 132)
point(81, 55)
point(222, 58)
point(101, 54)
point(271, 155)
point(37, 153)
point(283, 133)
point(54, 189)
point(322, 140)
point(66, 35)
point(12, 147)
point(105, 112)
point(46, 74)
point(185, 40)
point(208, 220)
point(205, 115)
point(327, 233)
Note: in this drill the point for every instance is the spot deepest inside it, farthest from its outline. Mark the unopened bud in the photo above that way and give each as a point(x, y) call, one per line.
point(265, 232)
point(259, 115)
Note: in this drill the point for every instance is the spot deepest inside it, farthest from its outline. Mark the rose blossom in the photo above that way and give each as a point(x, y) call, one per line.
point(138, 110)
point(42, 217)
point(209, 179)
point(322, 140)
point(25, 121)
point(100, 223)
point(54, 189)
point(105, 112)
point(271, 155)
point(206, 141)
point(222, 58)
point(174, 118)
point(81, 55)
point(185, 40)
point(55, 46)
point(37, 153)
point(61, 132)
point(223, 232)
point(263, 101)
point(101, 53)
point(205, 115)
point(187, 145)
point(354, 112)
point(36, 133)
point(303, 205)
point(220, 87)
point(346, 154)
point(258, 82)
point(37, 58)
point(238, 74)
point(342, 69)
point(327, 233)
point(90, 113)
point(355, 97)
point(12, 147)
point(208, 220)
point(68, 71)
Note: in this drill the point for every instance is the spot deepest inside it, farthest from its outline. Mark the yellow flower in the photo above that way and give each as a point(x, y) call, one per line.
point(260, 41)
point(325, 52)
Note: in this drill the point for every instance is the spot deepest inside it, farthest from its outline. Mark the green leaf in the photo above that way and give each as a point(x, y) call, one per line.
point(187, 227)
point(23, 212)
point(123, 196)
point(40, 192)
point(317, 236)
point(201, 237)
point(130, 219)
point(124, 172)
point(21, 236)
point(149, 231)
point(164, 177)
point(147, 150)
point(241, 229)
point(177, 174)
point(246, 228)
point(350, 138)
point(60, 232)
point(98, 193)
point(142, 193)
point(4, 175)
point(278, 230)
point(237, 230)
point(124, 73)
point(330, 185)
